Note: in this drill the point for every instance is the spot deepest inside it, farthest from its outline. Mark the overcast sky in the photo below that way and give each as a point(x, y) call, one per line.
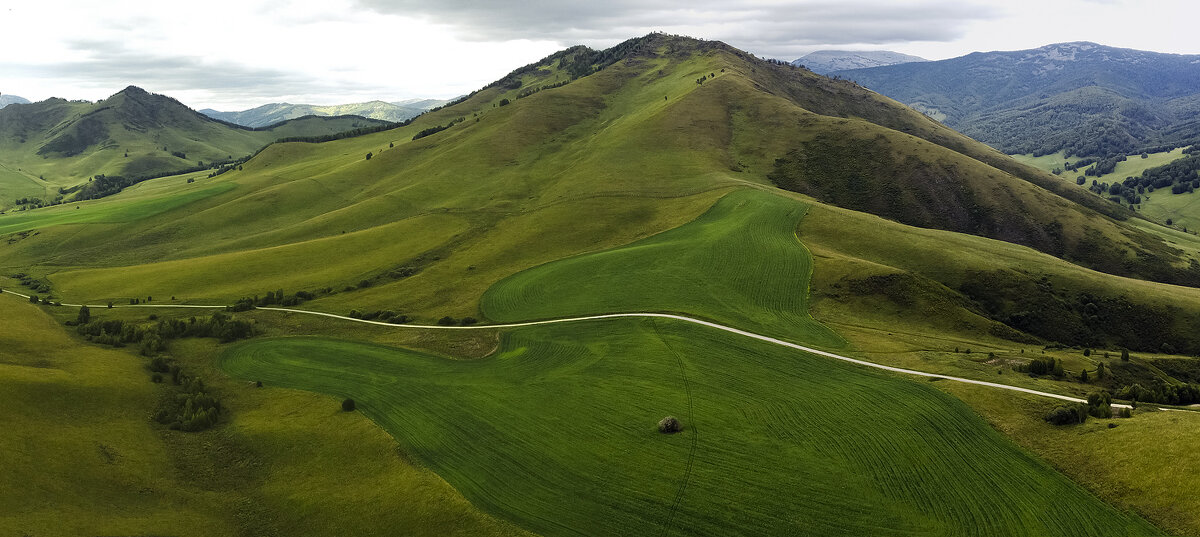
point(236, 54)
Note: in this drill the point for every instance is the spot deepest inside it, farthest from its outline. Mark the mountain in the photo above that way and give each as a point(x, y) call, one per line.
point(269, 114)
point(133, 133)
point(6, 100)
point(1081, 98)
point(827, 61)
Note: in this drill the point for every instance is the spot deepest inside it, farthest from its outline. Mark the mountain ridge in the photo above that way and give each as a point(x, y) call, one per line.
point(827, 61)
point(272, 113)
point(134, 132)
point(1078, 97)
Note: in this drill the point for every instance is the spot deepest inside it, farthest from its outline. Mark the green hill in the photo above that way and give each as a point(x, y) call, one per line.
point(58, 143)
point(646, 177)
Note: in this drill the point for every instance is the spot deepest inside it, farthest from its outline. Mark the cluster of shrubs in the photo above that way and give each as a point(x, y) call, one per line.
point(386, 316)
point(118, 333)
point(192, 408)
point(32, 283)
point(1043, 366)
point(277, 297)
point(38, 300)
point(451, 321)
point(1099, 405)
point(1162, 393)
point(436, 129)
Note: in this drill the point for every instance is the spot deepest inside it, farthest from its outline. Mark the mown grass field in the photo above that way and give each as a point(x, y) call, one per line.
point(739, 264)
point(82, 456)
point(556, 431)
point(1145, 464)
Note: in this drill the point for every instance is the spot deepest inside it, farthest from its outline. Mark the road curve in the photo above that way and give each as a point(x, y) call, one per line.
point(682, 318)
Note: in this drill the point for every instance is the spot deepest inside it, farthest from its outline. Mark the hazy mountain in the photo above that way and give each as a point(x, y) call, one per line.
point(1084, 98)
point(6, 100)
point(827, 61)
point(272, 113)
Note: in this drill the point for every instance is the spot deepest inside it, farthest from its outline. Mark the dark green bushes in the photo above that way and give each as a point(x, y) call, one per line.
point(191, 409)
point(1068, 414)
point(119, 333)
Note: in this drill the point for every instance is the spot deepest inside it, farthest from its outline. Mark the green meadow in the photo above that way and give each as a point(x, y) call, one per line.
point(556, 431)
point(739, 264)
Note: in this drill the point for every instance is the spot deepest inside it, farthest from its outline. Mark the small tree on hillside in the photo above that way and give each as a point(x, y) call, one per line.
point(85, 315)
point(348, 405)
point(1124, 355)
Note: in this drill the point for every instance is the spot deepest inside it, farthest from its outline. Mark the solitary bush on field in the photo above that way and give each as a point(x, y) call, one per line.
point(669, 425)
point(348, 405)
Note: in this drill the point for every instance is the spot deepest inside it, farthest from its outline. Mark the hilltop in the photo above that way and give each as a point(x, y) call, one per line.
point(61, 143)
point(1081, 98)
point(827, 61)
point(272, 113)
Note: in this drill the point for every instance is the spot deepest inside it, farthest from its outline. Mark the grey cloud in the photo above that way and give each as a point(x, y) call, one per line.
point(762, 25)
point(110, 64)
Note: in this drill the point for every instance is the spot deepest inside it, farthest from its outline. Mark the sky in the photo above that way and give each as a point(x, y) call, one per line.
point(237, 54)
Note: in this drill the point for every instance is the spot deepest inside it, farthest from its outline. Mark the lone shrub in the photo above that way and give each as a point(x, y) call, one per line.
point(669, 425)
point(348, 405)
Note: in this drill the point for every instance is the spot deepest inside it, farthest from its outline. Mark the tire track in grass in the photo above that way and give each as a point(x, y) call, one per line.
point(691, 417)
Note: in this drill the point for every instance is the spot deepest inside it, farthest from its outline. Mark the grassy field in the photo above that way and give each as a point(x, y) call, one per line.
point(556, 431)
point(1133, 166)
point(1144, 464)
point(664, 272)
point(83, 457)
point(1182, 209)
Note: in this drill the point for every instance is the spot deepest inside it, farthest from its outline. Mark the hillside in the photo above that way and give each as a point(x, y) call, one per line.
point(132, 133)
point(596, 182)
point(827, 61)
point(1081, 98)
point(272, 113)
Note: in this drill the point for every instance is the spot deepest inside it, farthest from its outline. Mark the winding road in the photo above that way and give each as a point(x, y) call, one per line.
point(682, 318)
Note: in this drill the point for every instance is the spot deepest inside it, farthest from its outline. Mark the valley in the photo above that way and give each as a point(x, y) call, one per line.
point(840, 299)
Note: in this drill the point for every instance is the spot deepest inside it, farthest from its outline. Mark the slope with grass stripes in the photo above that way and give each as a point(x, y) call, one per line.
point(556, 431)
point(739, 264)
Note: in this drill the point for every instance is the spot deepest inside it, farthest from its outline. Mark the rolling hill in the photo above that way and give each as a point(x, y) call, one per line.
point(663, 174)
point(1080, 98)
point(272, 113)
point(827, 61)
point(59, 143)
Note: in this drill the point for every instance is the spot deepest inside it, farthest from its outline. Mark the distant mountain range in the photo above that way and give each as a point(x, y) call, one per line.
point(1081, 98)
point(272, 113)
point(6, 100)
point(135, 133)
point(826, 61)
